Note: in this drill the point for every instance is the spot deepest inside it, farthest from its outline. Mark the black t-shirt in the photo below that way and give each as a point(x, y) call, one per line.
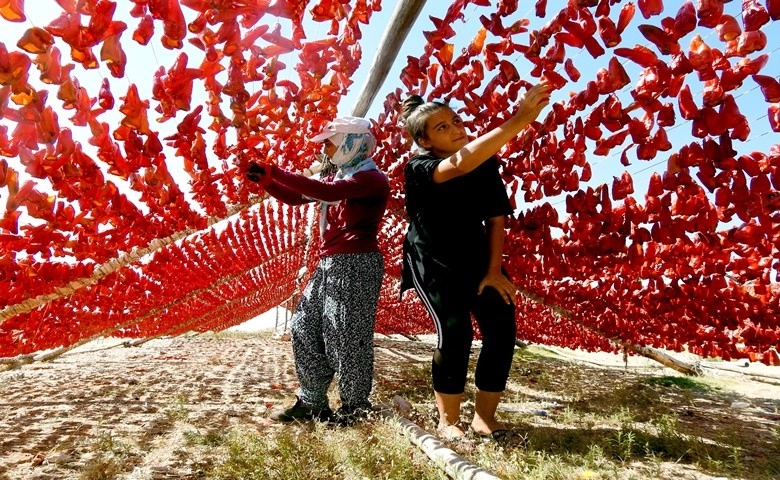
point(446, 234)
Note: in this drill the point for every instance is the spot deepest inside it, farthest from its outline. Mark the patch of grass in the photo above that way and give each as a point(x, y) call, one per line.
point(413, 384)
point(623, 416)
point(607, 424)
point(622, 445)
point(179, 410)
point(616, 425)
point(668, 442)
point(535, 354)
point(285, 455)
point(564, 440)
point(640, 399)
point(212, 438)
point(160, 425)
point(595, 458)
point(371, 450)
point(684, 383)
point(100, 468)
point(531, 465)
point(110, 459)
point(106, 443)
point(380, 451)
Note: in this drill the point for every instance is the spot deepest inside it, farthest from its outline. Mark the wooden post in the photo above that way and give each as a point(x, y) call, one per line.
point(404, 16)
point(648, 352)
point(455, 466)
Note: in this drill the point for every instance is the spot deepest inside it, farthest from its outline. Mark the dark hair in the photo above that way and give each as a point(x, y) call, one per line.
point(415, 112)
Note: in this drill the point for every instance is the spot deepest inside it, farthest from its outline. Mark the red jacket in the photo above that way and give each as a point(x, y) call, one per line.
point(356, 206)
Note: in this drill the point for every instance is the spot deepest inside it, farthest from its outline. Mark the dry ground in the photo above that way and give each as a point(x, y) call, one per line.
point(56, 418)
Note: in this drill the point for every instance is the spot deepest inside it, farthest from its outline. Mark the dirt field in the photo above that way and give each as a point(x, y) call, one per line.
point(103, 396)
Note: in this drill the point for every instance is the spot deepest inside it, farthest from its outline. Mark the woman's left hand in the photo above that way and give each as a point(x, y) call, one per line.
point(259, 172)
point(503, 286)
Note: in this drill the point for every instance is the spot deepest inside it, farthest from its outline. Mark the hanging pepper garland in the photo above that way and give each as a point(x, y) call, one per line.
point(658, 273)
point(685, 260)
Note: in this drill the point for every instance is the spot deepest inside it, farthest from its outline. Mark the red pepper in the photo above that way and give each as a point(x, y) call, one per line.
point(650, 7)
point(770, 87)
point(728, 28)
point(688, 108)
point(685, 20)
point(754, 15)
point(709, 12)
point(773, 8)
point(665, 43)
point(624, 17)
point(13, 10)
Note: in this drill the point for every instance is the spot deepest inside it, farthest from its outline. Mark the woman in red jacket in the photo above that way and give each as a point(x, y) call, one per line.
point(333, 325)
point(453, 250)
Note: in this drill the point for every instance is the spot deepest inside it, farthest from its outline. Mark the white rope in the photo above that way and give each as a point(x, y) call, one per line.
point(111, 266)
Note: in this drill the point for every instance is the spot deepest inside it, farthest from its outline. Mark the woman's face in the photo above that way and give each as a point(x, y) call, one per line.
point(445, 133)
point(329, 148)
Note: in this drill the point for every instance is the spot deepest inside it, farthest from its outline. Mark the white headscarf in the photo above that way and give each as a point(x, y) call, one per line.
point(351, 147)
point(354, 143)
point(350, 158)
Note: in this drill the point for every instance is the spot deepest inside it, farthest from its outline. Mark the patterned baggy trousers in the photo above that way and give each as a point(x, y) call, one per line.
point(333, 329)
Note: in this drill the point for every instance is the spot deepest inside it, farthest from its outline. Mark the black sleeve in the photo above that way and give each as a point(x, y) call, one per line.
point(420, 169)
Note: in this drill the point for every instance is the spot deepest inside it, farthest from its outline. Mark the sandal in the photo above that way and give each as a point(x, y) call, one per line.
point(504, 437)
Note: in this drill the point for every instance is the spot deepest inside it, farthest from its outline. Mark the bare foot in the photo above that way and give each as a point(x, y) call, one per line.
point(486, 427)
point(450, 432)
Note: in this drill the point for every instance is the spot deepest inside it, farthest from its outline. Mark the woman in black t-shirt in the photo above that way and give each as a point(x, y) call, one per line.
point(453, 250)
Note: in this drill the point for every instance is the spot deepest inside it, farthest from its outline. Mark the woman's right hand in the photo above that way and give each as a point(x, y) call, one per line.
point(533, 101)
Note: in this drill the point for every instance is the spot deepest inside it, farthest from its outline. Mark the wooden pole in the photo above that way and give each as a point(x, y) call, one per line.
point(455, 466)
point(648, 352)
point(404, 16)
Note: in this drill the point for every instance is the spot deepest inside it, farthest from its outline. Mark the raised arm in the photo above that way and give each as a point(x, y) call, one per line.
point(474, 153)
point(367, 185)
point(285, 195)
point(260, 173)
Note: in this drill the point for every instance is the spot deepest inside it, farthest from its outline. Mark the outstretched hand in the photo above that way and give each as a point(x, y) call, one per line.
point(259, 173)
point(534, 100)
point(505, 288)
